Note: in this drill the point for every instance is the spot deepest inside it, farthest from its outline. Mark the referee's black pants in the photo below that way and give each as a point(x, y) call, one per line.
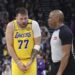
point(54, 68)
point(70, 69)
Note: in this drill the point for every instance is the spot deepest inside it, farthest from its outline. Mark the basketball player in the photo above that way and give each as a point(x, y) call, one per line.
point(23, 37)
point(61, 45)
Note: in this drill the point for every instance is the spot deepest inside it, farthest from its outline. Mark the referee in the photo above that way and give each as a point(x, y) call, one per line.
point(61, 45)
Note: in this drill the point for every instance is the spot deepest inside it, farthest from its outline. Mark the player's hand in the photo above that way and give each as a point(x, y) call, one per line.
point(28, 64)
point(21, 66)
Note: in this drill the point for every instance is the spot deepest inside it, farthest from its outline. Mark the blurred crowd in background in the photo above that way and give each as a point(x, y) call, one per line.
point(39, 11)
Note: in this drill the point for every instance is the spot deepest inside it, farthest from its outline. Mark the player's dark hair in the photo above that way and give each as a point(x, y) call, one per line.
point(21, 10)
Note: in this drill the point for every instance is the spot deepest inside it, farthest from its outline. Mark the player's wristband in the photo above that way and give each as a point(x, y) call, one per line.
point(37, 47)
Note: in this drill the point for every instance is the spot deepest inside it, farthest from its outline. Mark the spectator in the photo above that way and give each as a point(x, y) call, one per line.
point(40, 65)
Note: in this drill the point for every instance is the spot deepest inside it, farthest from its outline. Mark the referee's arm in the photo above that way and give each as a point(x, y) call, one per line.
point(66, 39)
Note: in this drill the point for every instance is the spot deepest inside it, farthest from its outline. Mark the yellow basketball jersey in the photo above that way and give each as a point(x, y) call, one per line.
point(23, 40)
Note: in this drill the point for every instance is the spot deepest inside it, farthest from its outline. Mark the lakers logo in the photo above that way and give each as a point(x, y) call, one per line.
point(22, 35)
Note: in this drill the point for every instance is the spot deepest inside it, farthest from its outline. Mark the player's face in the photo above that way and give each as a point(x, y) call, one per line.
point(22, 20)
point(52, 20)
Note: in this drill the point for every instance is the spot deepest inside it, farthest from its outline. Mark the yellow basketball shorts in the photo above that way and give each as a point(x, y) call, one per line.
point(31, 71)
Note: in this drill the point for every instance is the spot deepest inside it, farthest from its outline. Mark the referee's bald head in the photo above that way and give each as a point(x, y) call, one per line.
point(59, 14)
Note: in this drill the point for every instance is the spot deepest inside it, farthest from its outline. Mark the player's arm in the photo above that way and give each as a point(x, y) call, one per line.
point(37, 40)
point(36, 48)
point(66, 48)
point(9, 41)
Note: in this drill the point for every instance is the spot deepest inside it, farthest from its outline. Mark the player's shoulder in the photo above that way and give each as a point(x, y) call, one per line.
point(10, 25)
point(32, 21)
point(35, 23)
